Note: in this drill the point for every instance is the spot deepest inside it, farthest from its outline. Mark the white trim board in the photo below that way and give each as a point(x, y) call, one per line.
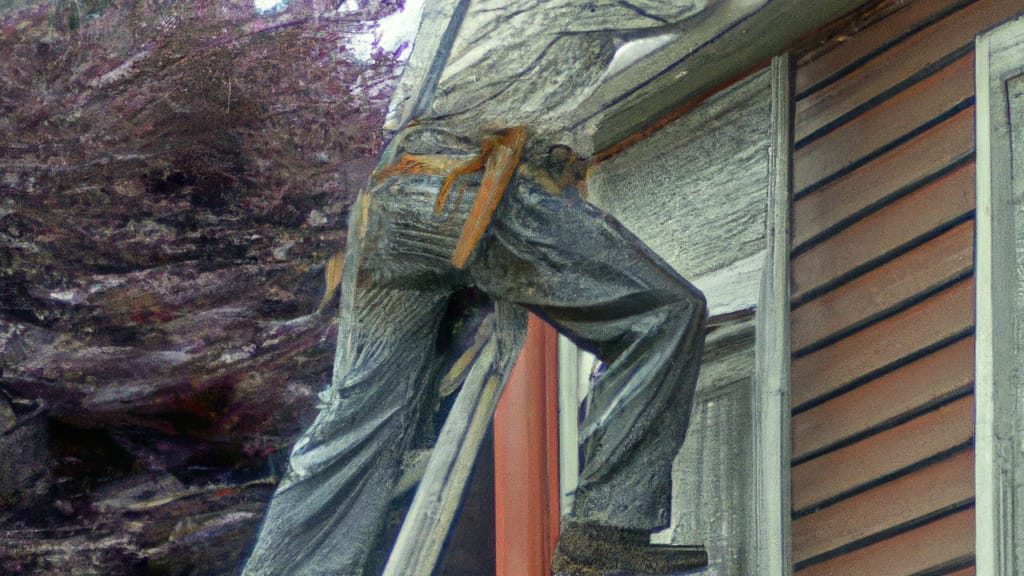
point(999, 353)
point(771, 397)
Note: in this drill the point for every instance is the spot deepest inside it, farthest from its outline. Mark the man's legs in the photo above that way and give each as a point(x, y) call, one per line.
point(599, 285)
point(561, 258)
point(328, 512)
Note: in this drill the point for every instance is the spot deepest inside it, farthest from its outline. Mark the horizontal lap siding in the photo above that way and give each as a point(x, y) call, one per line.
point(885, 345)
point(905, 62)
point(883, 292)
point(851, 468)
point(834, 59)
point(890, 175)
point(919, 550)
point(905, 222)
point(882, 402)
point(943, 260)
point(905, 115)
point(886, 510)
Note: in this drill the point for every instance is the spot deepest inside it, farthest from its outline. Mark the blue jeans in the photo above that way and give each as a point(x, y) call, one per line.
point(559, 257)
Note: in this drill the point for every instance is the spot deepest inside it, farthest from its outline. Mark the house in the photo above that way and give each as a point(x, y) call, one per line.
point(839, 178)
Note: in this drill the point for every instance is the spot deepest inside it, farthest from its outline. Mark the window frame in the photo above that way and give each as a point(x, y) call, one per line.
point(999, 345)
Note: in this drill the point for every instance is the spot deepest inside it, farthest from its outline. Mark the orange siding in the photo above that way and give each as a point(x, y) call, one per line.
point(892, 120)
point(941, 543)
point(877, 404)
point(905, 60)
point(886, 177)
point(943, 260)
point(883, 292)
point(890, 229)
point(891, 506)
point(884, 345)
point(828, 62)
point(847, 469)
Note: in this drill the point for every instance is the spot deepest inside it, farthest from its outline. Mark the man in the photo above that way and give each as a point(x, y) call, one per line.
point(410, 247)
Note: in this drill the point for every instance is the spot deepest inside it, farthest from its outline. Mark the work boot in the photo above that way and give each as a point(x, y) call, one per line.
point(593, 550)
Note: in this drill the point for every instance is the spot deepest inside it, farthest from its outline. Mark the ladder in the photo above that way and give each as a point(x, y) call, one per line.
point(432, 512)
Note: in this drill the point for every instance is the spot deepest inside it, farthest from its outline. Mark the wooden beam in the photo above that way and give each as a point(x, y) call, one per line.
point(440, 21)
point(437, 499)
point(526, 498)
